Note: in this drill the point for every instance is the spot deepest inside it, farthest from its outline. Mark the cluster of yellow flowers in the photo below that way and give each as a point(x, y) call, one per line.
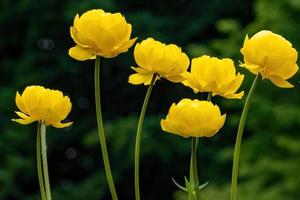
point(101, 34)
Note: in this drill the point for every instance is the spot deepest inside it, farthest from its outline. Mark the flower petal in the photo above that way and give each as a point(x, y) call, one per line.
point(137, 79)
point(255, 69)
point(232, 96)
point(141, 70)
point(80, 53)
point(20, 103)
point(22, 115)
point(23, 121)
point(177, 78)
point(62, 125)
point(63, 107)
point(278, 81)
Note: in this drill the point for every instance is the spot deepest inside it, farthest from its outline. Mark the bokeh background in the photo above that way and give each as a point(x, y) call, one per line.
point(34, 41)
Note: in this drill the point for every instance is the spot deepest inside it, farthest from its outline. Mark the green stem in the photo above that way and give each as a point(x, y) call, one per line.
point(39, 162)
point(209, 95)
point(45, 162)
point(238, 142)
point(138, 140)
point(194, 180)
point(101, 131)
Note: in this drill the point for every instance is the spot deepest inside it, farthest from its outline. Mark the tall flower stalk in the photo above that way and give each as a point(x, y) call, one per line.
point(100, 34)
point(239, 137)
point(39, 162)
point(138, 140)
point(194, 194)
point(101, 131)
point(45, 161)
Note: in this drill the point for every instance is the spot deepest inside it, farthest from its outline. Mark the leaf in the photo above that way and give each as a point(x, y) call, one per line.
point(203, 185)
point(179, 186)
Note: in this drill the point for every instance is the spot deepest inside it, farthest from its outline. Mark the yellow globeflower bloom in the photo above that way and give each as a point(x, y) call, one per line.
point(40, 104)
point(272, 56)
point(210, 74)
point(193, 118)
point(154, 57)
point(100, 33)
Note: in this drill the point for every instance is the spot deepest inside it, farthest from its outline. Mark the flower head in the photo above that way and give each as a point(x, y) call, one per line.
point(210, 74)
point(272, 56)
point(193, 118)
point(100, 33)
point(40, 104)
point(154, 57)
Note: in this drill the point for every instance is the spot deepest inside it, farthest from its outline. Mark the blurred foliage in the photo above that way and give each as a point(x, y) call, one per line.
point(33, 46)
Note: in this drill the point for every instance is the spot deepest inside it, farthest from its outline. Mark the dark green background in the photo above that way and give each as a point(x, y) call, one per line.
point(34, 41)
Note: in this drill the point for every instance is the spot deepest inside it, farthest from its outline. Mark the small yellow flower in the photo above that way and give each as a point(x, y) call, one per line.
point(272, 56)
point(40, 104)
point(193, 118)
point(210, 74)
point(100, 33)
point(154, 57)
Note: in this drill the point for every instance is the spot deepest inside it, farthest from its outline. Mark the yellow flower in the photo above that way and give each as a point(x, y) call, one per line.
point(40, 104)
point(272, 56)
point(100, 33)
point(193, 118)
point(210, 74)
point(154, 57)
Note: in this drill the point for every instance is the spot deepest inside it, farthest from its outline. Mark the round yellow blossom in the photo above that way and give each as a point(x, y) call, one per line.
point(154, 57)
point(100, 33)
point(272, 56)
point(193, 118)
point(45, 105)
point(210, 74)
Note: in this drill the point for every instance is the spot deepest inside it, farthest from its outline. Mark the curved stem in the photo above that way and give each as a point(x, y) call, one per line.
point(238, 142)
point(39, 162)
point(45, 162)
point(138, 140)
point(101, 131)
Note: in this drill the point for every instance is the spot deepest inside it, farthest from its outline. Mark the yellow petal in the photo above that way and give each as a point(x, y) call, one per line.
point(168, 127)
point(255, 69)
point(62, 125)
point(22, 115)
point(23, 121)
point(278, 81)
point(63, 107)
point(137, 79)
point(126, 45)
point(20, 103)
point(117, 50)
point(177, 78)
point(80, 53)
point(139, 56)
point(141, 70)
point(81, 40)
point(31, 97)
point(232, 95)
point(38, 113)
